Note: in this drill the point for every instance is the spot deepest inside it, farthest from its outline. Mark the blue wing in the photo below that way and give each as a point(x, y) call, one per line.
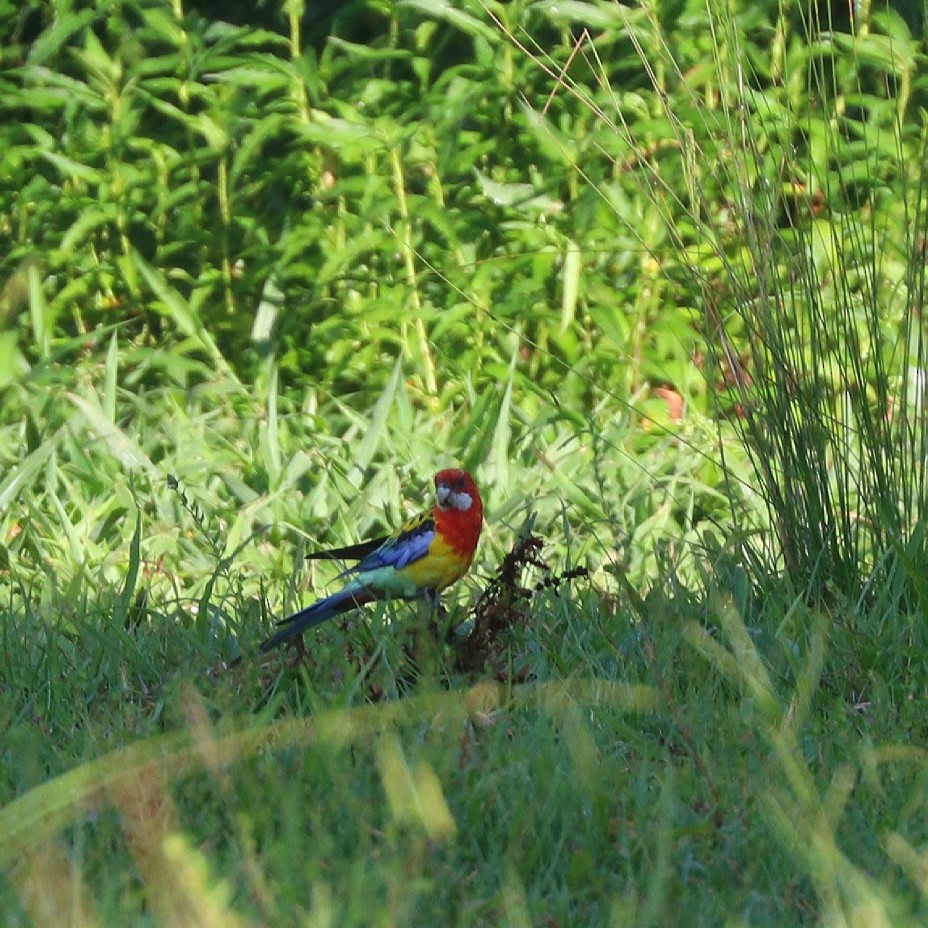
point(408, 545)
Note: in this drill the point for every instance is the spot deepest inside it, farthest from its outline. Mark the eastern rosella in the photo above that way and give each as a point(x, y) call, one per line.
point(423, 557)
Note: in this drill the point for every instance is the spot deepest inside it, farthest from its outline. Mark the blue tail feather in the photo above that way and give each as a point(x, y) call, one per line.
point(319, 612)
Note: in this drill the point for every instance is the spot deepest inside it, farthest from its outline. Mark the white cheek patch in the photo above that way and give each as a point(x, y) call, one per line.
point(462, 501)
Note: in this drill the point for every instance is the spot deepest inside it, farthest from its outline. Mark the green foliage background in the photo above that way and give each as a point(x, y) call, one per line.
point(655, 273)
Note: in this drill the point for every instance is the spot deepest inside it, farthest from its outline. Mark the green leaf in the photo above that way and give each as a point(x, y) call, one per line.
point(175, 307)
point(38, 313)
point(90, 219)
point(377, 427)
point(453, 15)
point(556, 145)
point(124, 599)
point(503, 194)
point(111, 370)
point(594, 15)
point(502, 433)
point(573, 264)
point(72, 169)
point(52, 40)
point(125, 449)
point(20, 475)
point(271, 431)
point(350, 138)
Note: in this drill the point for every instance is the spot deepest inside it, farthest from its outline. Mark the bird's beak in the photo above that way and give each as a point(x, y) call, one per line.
point(443, 494)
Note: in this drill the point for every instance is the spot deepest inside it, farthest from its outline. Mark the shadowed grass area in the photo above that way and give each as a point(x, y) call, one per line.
point(690, 760)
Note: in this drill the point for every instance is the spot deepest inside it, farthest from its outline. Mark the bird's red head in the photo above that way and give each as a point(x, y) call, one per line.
point(455, 489)
point(459, 509)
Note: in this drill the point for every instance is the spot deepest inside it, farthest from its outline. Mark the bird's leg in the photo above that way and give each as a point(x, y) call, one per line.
point(436, 610)
point(298, 645)
point(437, 613)
point(424, 638)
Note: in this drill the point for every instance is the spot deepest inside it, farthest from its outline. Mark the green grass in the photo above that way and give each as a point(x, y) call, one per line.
point(654, 274)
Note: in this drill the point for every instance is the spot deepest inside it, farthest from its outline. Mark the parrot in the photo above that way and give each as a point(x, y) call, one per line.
point(423, 557)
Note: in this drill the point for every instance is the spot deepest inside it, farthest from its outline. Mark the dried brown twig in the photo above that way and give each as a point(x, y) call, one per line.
point(505, 602)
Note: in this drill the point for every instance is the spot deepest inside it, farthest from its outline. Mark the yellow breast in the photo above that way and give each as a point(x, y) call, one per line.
point(441, 567)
